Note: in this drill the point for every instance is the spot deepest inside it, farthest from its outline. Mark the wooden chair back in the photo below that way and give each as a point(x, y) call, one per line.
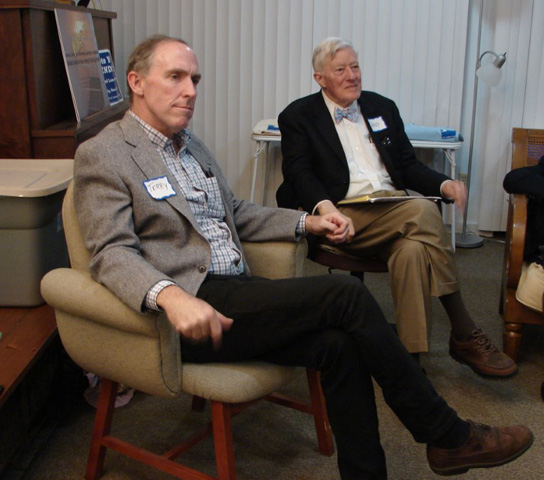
point(527, 148)
point(334, 259)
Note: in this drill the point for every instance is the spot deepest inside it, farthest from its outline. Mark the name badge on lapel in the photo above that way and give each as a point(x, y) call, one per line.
point(377, 124)
point(159, 188)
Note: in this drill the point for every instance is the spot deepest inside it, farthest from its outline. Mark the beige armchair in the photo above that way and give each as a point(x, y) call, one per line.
point(102, 335)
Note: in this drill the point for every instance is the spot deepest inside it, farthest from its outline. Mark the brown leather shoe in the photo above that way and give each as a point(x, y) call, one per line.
point(486, 447)
point(481, 354)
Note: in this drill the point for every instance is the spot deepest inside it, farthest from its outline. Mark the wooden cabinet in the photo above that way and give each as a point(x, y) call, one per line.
point(30, 355)
point(37, 118)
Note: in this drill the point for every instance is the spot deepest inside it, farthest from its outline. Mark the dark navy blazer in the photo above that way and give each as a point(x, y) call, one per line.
point(315, 167)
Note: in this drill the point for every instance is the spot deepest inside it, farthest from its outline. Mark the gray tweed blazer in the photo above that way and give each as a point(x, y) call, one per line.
point(136, 239)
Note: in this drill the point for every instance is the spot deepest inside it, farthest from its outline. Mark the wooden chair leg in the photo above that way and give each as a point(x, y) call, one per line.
point(102, 427)
point(511, 339)
point(223, 442)
point(319, 411)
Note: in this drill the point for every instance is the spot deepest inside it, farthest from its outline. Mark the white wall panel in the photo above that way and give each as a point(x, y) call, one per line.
point(411, 51)
point(514, 28)
point(534, 105)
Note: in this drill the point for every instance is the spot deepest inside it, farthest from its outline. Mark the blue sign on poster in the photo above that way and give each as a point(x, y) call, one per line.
point(108, 70)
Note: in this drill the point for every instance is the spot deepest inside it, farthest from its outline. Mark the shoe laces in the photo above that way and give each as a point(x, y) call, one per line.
point(480, 430)
point(483, 342)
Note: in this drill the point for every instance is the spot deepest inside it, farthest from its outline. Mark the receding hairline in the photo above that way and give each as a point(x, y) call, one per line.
point(141, 57)
point(142, 54)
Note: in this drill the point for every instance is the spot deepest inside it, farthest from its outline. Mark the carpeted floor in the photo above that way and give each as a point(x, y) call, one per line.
point(274, 443)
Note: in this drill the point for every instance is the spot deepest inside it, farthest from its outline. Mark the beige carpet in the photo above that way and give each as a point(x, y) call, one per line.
point(274, 443)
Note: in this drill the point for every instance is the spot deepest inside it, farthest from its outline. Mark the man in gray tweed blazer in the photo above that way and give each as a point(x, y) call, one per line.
point(164, 231)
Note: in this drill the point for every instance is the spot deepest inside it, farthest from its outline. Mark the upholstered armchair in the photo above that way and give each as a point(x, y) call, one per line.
point(104, 336)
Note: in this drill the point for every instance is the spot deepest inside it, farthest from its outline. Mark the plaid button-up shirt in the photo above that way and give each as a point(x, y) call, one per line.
point(204, 197)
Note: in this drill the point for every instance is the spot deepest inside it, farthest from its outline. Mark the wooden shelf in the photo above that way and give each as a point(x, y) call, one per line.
point(36, 110)
point(30, 365)
point(26, 334)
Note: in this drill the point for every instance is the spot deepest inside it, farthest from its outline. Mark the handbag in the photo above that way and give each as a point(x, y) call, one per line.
point(530, 291)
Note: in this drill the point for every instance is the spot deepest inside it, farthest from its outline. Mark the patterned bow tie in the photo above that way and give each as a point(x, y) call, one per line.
point(350, 113)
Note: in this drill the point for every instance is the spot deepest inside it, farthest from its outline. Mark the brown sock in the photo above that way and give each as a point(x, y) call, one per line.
point(462, 324)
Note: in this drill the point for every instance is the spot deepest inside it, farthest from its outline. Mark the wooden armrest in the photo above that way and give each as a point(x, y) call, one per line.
point(77, 293)
point(515, 244)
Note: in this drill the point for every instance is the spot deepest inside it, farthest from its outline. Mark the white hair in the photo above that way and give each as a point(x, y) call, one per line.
point(328, 48)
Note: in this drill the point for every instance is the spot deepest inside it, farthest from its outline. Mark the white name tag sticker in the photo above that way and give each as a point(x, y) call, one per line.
point(377, 124)
point(159, 188)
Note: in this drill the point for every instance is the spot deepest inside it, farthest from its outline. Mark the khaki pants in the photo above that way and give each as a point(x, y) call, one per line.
point(410, 236)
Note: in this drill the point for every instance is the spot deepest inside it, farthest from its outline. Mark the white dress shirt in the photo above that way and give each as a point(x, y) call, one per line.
point(367, 172)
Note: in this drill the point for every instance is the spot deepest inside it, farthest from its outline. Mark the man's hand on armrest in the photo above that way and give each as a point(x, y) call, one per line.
point(455, 190)
point(192, 317)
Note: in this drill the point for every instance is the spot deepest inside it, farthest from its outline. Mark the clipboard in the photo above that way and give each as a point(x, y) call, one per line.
point(370, 199)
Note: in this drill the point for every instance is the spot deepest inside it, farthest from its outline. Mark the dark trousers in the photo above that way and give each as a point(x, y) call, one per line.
point(333, 324)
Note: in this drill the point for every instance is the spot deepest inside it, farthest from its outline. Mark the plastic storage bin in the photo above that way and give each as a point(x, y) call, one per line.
point(31, 234)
